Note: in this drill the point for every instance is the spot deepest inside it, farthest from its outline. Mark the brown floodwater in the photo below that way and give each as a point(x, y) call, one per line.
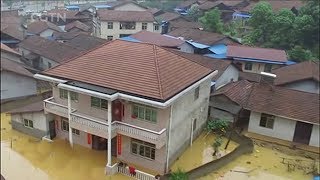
point(30, 158)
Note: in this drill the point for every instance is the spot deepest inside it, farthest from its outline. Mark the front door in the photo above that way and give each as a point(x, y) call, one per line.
point(117, 110)
point(99, 143)
point(302, 132)
point(52, 129)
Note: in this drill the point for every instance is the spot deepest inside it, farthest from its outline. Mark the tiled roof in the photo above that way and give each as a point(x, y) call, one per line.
point(85, 42)
point(274, 100)
point(53, 50)
point(8, 49)
point(213, 64)
point(185, 24)
point(13, 30)
point(66, 35)
point(34, 107)
point(12, 66)
point(77, 24)
point(277, 5)
point(131, 16)
point(297, 72)
point(13, 12)
point(199, 36)
point(211, 4)
point(252, 77)
point(167, 16)
point(136, 68)
point(256, 53)
point(65, 13)
point(157, 39)
point(38, 27)
point(187, 3)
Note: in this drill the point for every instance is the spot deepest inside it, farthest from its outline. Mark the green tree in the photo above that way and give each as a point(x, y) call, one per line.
point(193, 12)
point(218, 126)
point(212, 21)
point(216, 144)
point(178, 175)
point(299, 54)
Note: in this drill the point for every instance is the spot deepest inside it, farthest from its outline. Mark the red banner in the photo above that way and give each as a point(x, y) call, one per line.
point(89, 138)
point(119, 144)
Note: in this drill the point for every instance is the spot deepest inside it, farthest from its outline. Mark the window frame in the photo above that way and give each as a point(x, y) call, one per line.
point(140, 112)
point(49, 65)
point(64, 120)
point(269, 66)
point(248, 63)
point(196, 93)
point(100, 102)
point(141, 148)
point(28, 123)
point(108, 38)
point(110, 25)
point(267, 121)
point(156, 27)
point(144, 26)
point(125, 24)
point(74, 131)
point(63, 94)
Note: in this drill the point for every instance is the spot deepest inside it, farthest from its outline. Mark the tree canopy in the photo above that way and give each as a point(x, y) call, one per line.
point(298, 34)
point(212, 21)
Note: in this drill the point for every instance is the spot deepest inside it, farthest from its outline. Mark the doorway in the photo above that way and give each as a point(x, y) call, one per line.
point(302, 132)
point(113, 147)
point(99, 143)
point(52, 129)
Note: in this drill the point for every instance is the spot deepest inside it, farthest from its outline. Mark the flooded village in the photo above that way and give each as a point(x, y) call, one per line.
point(160, 90)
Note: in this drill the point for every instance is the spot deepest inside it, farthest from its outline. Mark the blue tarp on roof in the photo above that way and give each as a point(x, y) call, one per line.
point(102, 6)
point(72, 7)
point(218, 49)
point(260, 60)
point(290, 62)
point(216, 56)
point(243, 15)
point(128, 38)
point(198, 45)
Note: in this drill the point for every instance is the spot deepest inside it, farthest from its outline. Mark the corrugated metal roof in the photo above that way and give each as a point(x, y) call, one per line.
point(261, 61)
point(131, 39)
point(216, 56)
point(218, 49)
point(198, 45)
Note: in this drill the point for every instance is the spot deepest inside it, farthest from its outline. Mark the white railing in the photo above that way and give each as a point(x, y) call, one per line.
point(138, 174)
point(55, 107)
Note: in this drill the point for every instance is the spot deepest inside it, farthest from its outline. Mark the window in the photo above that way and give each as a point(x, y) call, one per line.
point(144, 113)
point(196, 93)
point(99, 103)
point(248, 66)
point(124, 35)
point(28, 123)
point(143, 149)
point(194, 125)
point(267, 121)
point(75, 131)
point(156, 27)
point(110, 38)
point(64, 95)
point(144, 26)
point(49, 65)
point(64, 124)
point(110, 25)
point(127, 25)
point(267, 68)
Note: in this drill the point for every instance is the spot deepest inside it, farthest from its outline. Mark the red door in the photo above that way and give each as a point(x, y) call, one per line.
point(117, 110)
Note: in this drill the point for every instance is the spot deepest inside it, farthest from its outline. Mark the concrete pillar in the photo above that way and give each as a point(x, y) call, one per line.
point(69, 117)
point(109, 132)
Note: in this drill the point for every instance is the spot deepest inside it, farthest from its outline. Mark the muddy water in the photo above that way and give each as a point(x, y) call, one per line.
point(32, 159)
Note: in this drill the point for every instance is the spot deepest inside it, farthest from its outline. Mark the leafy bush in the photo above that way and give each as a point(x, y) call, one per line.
point(178, 175)
point(216, 144)
point(218, 126)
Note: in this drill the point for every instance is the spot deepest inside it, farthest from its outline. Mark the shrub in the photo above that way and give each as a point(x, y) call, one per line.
point(178, 175)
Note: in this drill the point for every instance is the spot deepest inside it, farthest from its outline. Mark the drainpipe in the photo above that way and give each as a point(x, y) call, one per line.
point(191, 138)
point(69, 117)
point(109, 133)
point(168, 144)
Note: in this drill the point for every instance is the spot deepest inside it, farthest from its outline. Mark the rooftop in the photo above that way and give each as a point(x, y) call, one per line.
point(131, 16)
point(38, 27)
point(274, 100)
point(157, 39)
point(256, 53)
point(308, 70)
point(8, 49)
point(141, 69)
point(34, 107)
point(53, 50)
point(211, 4)
point(277, 5)
point(85, 42)
point(167, 16)
point(77, 24)
point(12, 66)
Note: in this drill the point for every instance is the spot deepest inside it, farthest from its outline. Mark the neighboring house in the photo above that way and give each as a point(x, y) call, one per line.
point(16, 81)
point(12, 33)
point(41, 53)
point(32, 120)
point(85, 42)
point(112, 24)
point(130, 96)
point(155, 11)
point(200, 41)
point(61, 17)
point(155, 38)
point(271, 111)
point(65, 36)
point(169, 19)
point(42, 28)
point(303, 76)
point(227, 71)
point(127, 6)
point(77, 26)
point(255, 59)
point(8, 53)
point(183, 24)
point(13, 12)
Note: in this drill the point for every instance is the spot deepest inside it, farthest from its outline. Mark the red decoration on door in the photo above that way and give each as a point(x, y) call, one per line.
point(89, 138)
point(119, 144)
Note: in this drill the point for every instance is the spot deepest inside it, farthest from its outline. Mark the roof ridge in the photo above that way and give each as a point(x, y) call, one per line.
point(157, 69)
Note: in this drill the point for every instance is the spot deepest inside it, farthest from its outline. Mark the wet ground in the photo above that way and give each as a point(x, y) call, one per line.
point(30, 158)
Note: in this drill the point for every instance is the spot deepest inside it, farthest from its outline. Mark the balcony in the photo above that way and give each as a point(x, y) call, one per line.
point(99, 127)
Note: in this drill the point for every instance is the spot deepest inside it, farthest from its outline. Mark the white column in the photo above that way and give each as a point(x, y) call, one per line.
point(69, 117)
point(109, 132)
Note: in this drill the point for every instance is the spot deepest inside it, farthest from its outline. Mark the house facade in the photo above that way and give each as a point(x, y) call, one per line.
point(132, 124)
point(114, 24)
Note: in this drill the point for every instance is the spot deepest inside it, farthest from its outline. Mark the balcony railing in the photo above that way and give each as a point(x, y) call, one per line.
point(99, 127)
point(137, 174)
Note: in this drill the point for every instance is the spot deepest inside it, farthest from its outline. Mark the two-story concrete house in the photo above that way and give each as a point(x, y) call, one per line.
point(114, 24)
point(141, 103)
